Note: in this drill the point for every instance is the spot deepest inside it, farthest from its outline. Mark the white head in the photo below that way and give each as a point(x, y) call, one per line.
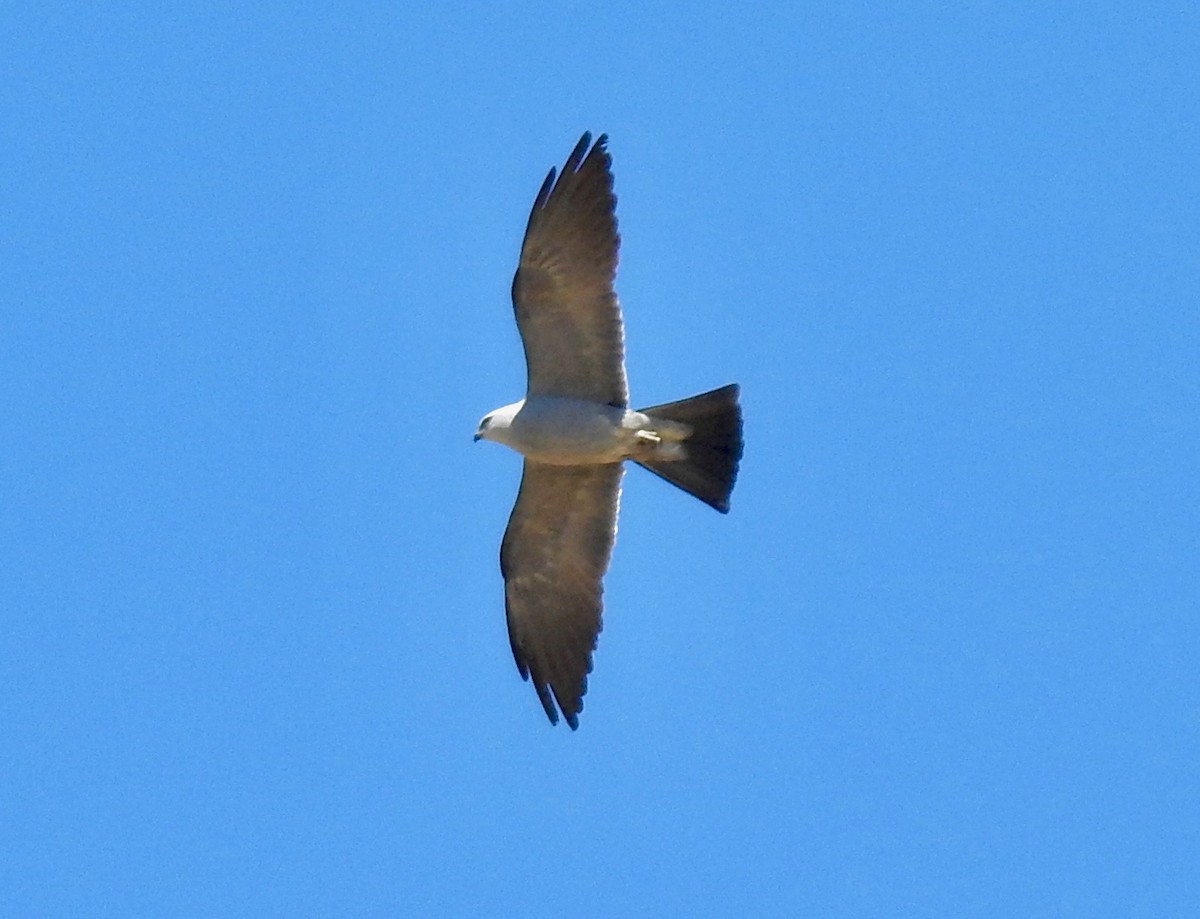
point(497, 424)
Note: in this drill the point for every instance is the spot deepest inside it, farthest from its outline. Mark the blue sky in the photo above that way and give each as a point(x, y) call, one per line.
point(940, 659)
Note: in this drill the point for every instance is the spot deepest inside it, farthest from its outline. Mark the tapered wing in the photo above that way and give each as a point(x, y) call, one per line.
point(554, 555)
point(563, 295)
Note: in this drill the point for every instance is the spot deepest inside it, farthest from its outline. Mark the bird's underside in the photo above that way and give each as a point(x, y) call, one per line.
point(562, 528)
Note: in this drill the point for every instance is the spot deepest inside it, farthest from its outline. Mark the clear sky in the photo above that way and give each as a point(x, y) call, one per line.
point(941, 659)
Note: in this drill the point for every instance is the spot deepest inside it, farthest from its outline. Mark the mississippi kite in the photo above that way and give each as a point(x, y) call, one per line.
point(575, 429)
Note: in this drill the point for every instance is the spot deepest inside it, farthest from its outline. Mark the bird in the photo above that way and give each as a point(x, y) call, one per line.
point(575, 429)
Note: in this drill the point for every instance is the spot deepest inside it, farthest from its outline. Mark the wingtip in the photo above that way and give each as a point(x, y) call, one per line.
point(600, 147)
point(543, 192)
point(585, 148)
point(576, 158)
point(547, 704)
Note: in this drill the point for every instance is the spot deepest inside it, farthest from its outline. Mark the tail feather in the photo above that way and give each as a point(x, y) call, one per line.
point(712, 451)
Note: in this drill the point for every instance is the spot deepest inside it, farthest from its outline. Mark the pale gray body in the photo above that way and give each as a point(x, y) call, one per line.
point(564, 431)
point(575, 429)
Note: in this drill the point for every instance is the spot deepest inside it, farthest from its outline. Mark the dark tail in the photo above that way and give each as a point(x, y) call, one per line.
point(709, 468)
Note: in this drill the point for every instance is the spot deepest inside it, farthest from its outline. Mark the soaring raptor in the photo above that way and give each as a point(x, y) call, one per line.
point(575, 428)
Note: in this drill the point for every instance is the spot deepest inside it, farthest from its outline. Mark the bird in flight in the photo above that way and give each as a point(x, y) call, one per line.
point(575, 428)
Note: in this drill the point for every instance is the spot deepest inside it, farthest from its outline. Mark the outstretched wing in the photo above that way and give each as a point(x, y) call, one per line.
point(554, 555)
point(562, 293)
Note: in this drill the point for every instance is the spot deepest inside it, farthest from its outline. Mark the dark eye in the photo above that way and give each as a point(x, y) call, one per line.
point(486, 421)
